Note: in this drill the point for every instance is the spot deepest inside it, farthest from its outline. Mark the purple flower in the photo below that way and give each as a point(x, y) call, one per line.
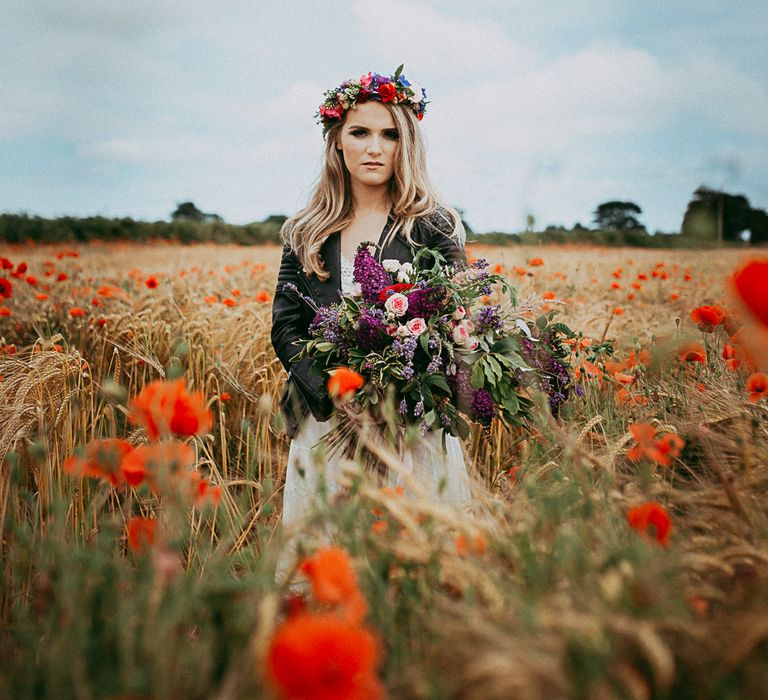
point(371, 332)
point(434, 364)
point(370, 274)
point(424, 303)
point(483, 408)
point(488, 319)
point(405, 348)
point(326, 324)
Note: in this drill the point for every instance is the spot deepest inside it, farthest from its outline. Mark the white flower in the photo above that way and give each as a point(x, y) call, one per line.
point(468, 324)
point(391, 264)
point(402, 331)
point(417, 93)
point(417, 326)
point(460, 335)
point(406, 270)
point(472, 343)
point(357, 290)
point(460, 313)
point(396, 303)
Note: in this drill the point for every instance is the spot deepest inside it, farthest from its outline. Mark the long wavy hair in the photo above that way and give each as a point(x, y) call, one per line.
point(331, 208)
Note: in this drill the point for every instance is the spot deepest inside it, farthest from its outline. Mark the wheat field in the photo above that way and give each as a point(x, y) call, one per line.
point(543, 589)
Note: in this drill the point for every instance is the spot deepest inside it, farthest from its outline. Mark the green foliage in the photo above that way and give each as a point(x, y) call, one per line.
point(22, 228)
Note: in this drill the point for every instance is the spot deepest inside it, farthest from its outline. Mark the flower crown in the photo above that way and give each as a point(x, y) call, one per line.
point(373, 86)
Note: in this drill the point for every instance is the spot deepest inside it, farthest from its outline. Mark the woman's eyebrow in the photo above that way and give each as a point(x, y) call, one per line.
point(359, 126)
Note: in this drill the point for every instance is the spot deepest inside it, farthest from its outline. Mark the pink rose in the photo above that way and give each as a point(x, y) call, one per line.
point(460, 335)
point(365, 80)
point(397, 304)
point(416, 326)
point(460, 313)
point(468, 324)
point(391, 329)
point(472, 343)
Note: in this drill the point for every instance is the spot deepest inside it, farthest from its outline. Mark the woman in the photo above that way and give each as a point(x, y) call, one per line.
point(373, 186)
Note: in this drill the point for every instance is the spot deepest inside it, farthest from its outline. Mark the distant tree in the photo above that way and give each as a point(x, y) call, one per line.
point(578, 227)
point(278, 219)
point(758, 226)
point(617, 216)
point(187, 211)
point(716, 215)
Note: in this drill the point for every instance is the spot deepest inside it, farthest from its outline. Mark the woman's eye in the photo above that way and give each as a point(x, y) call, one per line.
point(393, 135)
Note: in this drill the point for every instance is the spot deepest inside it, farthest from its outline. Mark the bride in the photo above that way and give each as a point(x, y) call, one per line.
point(373, 186)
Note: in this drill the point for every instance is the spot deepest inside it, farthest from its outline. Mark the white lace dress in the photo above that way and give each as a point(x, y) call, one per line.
point(442, 473)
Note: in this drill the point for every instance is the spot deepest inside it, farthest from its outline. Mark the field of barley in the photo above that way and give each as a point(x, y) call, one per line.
point(619, 549)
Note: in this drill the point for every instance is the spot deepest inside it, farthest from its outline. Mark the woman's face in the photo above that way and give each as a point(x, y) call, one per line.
point(369, 135)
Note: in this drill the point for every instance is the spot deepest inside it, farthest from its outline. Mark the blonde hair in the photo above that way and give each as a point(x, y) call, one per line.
point(330, 207)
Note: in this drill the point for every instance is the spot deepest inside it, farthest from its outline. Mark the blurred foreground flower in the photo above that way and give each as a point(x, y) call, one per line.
point(343, 383)
point(751, 284)
point(321, 656)
point(104, 459)
point(165, 407)
point(652, 521)
point(140, 533)
point(329, 654)
point(334, 582)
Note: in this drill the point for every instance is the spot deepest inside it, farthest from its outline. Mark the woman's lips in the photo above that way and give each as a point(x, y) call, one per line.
point(373, 165)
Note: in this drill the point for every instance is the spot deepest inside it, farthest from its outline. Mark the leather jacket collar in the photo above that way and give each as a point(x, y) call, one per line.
point(327, 292)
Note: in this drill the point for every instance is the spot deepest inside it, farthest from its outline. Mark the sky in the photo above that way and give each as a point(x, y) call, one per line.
point(127, 108)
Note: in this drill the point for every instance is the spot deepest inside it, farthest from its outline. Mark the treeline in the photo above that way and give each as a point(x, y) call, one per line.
point(22, 228)
point(608, 237)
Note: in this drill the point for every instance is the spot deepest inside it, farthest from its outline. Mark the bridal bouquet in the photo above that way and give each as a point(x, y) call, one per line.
point(431, 353)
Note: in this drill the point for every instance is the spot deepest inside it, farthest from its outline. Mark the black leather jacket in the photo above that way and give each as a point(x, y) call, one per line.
point(305, 389)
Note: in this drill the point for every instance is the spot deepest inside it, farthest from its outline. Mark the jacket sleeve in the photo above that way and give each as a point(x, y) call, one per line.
point(289, 324)
point(439, 237)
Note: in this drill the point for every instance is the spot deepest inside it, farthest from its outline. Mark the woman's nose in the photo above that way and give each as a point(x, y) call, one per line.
point(374, 146)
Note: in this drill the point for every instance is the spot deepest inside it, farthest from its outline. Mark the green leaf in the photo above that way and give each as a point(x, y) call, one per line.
point(439, 381)
point(477, 375)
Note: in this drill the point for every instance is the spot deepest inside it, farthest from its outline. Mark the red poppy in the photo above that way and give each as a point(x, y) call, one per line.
point(692, 352)
point(660, 451)
point(751, 283)
point(344, 382)
point(76, 312)
point(707, 317)
point(652, 521)
point(757, 386)
point(393, 289)
point(166, 406)
point(104, 459)
point(5, 288)
point(263, 297)
point(334, 582)
point(324, 657)
point(151, 282)
point(535, 262)
point(140, 532)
